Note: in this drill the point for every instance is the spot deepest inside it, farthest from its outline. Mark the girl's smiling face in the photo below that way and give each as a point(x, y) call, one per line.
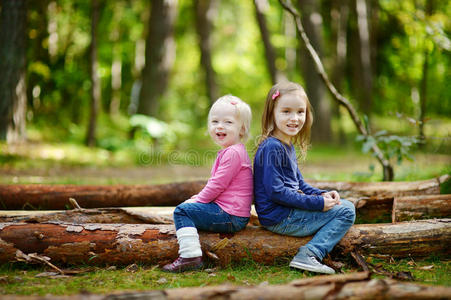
point(289, 116)
point(224, 127)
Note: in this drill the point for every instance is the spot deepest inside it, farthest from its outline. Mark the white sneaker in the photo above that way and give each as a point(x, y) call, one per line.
point(305, 260)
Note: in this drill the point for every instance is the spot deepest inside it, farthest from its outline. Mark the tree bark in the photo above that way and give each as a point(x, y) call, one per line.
point(312, 22)
point(205, 11)
point(103, 244)
point(160, 55)
point(95, 79)
point(270, 53)
point(32, 196)
point(57, 196)
point(13, 92)
point(421, 207)
point(343, 286)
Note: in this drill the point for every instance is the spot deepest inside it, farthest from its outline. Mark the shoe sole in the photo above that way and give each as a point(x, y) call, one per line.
point(194, 268)
point(309, 268)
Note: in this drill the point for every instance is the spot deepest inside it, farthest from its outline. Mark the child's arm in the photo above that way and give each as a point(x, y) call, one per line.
point(228, 168)
point(273, 180)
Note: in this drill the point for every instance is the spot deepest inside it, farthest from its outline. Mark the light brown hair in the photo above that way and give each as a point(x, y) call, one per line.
point(302, 139)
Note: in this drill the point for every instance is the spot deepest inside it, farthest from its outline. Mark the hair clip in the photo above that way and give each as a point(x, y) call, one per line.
point(233, 102)
point(275, 95)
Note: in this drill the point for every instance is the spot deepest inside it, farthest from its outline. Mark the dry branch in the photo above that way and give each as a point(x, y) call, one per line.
point(103, 244)
point(346, 286)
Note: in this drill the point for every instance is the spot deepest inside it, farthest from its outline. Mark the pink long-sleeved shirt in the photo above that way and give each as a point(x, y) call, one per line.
point(231, 182)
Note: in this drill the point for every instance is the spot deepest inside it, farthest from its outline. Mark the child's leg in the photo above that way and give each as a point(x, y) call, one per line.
point(188, 217)
point(208, 217)
point(329, 227)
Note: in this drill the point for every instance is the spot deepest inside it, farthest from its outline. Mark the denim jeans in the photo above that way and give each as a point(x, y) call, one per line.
point(207, 217)
point(329, 226)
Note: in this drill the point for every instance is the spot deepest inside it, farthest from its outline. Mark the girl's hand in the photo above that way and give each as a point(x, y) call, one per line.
point(335, 195)
point(191, 200)
point(329, 202)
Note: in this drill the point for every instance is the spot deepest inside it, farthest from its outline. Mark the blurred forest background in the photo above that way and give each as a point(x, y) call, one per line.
point(133, 80)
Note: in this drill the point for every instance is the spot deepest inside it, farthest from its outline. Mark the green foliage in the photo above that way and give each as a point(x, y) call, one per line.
point(392, 146)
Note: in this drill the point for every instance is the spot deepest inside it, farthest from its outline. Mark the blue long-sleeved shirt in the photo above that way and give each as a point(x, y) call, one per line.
point(277, 182)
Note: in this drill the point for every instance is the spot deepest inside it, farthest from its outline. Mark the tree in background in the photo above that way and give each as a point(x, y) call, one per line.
point(95, 79)
point(312, 22)
point(360, 55)
point(270, 53)
point(160, 55)
point(13, 97)
point(205, 12)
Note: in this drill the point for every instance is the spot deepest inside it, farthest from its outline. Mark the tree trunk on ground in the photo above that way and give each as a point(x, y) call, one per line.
point(160, 55)
point(95, 79)
point(406, 208)
point(34, 196)
point(57, 196)
point(205, 11)
point(13, 92)
point(133, 215)
point(343, 286)
point(312, 21)
point(102, 244)
point(270, 53)
point(421, 207)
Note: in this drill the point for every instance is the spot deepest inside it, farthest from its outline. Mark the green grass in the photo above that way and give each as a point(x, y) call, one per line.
point(21, 279)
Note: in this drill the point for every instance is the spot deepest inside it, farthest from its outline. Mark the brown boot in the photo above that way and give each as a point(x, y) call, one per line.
point(184, 264)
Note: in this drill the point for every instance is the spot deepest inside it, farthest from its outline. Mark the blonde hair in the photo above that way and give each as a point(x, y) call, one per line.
point(302, 139)
point(243, 112)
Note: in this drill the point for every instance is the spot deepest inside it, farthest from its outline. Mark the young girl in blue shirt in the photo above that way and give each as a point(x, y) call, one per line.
point(284, 202)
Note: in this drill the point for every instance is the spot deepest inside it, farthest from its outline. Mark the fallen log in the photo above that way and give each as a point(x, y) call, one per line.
point(421, 207)
point(132, 215)
point(346, 286)
point(36, 196)
point(123, 215)
point(122, 244)
point(406, 208)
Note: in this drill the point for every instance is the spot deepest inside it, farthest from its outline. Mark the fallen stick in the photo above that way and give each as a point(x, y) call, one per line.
point(346, 286)
point(36, 196)
point(122, 244)
point(421, 207)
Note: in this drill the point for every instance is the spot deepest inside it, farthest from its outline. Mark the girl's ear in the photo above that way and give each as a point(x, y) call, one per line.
point(242, 131)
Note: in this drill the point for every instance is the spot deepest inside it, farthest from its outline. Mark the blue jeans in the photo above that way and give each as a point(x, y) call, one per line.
point(329, 226)
point(207, 217)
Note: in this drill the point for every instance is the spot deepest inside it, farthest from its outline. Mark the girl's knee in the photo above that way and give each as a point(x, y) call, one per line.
point(348, 209)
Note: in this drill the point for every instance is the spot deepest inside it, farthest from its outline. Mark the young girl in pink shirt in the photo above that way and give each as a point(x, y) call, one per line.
point(224, 204)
